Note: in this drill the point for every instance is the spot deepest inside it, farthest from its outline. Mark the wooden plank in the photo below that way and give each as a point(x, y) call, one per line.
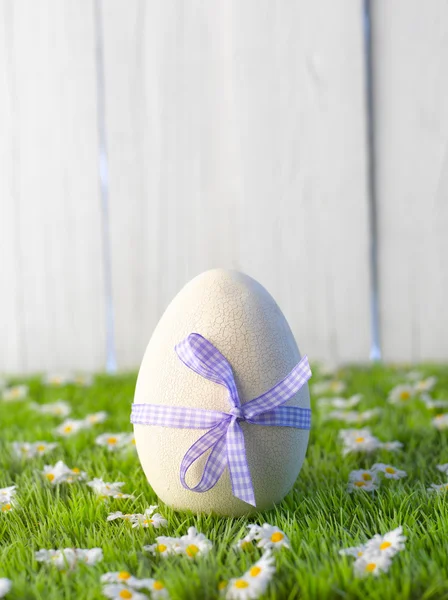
point(55, 180)
point(411, 57)
point(237, 139)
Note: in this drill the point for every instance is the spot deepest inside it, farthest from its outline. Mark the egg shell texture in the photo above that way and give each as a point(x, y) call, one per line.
point(243, 321)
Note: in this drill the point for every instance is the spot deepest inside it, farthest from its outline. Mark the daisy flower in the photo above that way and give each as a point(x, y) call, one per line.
point(107, 489)
point(254, 582)
point(443, 487)
point(341, 403)
point(425, 385)
point(325, 387)
point(95, 418)
point(371, 565)
point(356, 551)
point(32, 449)
point(366, 480)
point(119, 591)
point(70, 427)
point(443, 468)
point(193, 544)
point(119, 515)
point(388, 544)
point(164, 546)
point(89, 556)
point(440, 421)
point(246, 543)
point(61, 559)
point(400, 394)
point(126, 578)
point(358, 440)
point(149, 518)
point(57, 379)
point(114, 441)
point(7, 498)
point(60, 408)
point(16, 392)
point(270, 537)
point(430, 403)
point(391, 446)
point(353, 416)
point(5, 586)
point(389, 471)
point(61, 473)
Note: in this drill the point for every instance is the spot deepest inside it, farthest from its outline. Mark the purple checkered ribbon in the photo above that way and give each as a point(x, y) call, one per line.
point(225, 437)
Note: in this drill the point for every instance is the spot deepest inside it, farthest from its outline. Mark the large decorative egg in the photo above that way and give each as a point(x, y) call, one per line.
point(241, 319)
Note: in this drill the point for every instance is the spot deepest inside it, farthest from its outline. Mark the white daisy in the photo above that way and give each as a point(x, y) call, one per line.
point(430, 403)
point(149, 519)
point(119, 591)
point(61, 559)
point(70, 427)
point(270, 537)
point(425, 385)
point(61, 473)
point(341, 403)
point(164, 546)
point(355, 551)
point(16, 392)
point(98, 417)
point(61, 408)
point(57, 379)
point(114, 441)
point(5, 586)
point(7, 498)
point(353, 416)
point(391, 446)
point(389, 471)
point(443, 487)
point(401, 394)
point(325, 387)
point(89, 556)
point(440, 421)
point(127, 579)
point(371, 565)
point(193, 544)
point(108, 489)
point(358, 440)
point(443, 468)
point(245, 544)
point(389, 543)
point(32, 449)
point(119, 515)
point(363, 479)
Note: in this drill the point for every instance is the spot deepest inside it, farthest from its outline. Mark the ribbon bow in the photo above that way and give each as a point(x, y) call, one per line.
point(225, 437)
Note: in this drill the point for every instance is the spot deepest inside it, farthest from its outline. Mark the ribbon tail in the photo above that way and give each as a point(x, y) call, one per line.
point(216, 461)
point(240, 477)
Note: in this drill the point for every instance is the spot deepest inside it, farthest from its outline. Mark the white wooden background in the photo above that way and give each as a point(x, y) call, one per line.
point(236, 137)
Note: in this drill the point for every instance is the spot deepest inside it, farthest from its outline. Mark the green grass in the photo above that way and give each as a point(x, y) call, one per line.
point(318, 515)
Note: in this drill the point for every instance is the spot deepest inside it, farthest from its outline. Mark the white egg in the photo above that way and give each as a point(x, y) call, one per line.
point(238, 316)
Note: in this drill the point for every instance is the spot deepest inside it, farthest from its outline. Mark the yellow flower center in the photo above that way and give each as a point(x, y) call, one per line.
point(125, 594)
point(370, 567)
point(50, 476)
point(76, 470)
point(124, 575)
point(133, 441)
point(246, 546)
point(192, 550)
point(385, 545)
point(148, 521)
point(360, 553)
point(367, 476)
point(15, 393)
point(68, 429)
point(112, 440)
point(222, 585)
point(358, 440)
point(390, 470)
point(360, 483)
point(277, 537)
point(40, 448)
point(25, 449)
point(334, 386)
point(161, 548)
point(158, 585)
point(405, 395)
point(241, 584)
point(254, 571)
point(57, 411)
point(6, 507)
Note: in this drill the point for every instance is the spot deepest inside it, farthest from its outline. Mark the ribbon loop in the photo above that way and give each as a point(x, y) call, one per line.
point(225, 438)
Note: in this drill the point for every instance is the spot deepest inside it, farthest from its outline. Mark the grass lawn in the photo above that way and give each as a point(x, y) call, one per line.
point(319, 516)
